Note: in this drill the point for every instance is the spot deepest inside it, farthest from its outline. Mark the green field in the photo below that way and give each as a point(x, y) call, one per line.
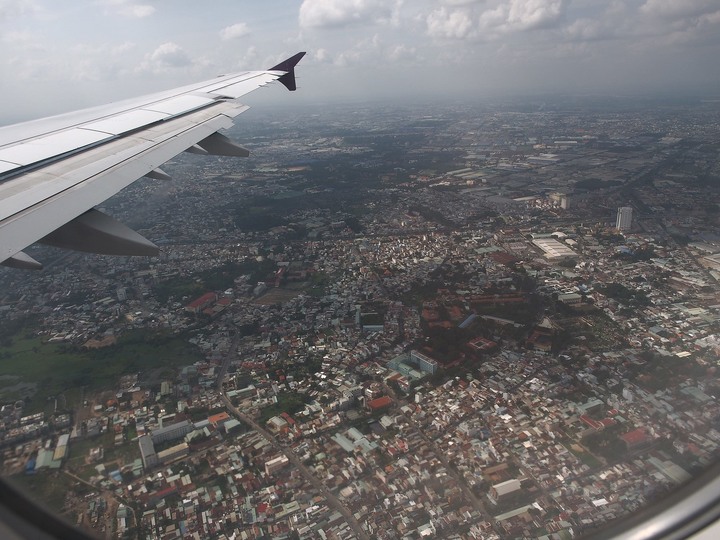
point(48, 488)
point(57, 369)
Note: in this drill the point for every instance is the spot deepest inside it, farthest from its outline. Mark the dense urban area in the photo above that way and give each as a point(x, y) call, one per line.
point(447, 321)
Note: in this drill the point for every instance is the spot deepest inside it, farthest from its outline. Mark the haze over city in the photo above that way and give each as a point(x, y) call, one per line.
point(465, 285)
point(57, 57)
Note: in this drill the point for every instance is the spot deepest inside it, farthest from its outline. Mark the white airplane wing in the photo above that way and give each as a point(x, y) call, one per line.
point(54, 171)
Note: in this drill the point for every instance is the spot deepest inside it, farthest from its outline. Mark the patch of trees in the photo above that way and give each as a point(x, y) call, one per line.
point(619, 292)
point(607, 444)
point(431, 215)
point(641, 254)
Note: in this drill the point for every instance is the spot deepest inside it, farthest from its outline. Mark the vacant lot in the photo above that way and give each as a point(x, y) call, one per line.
point(276, 296)
point(36, 371)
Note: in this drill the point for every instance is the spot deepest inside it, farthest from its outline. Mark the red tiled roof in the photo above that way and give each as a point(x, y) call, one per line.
point(380, 402)
point(207, 297)
point(634, 437)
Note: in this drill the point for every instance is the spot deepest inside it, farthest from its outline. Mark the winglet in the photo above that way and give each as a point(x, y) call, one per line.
point(289, 66)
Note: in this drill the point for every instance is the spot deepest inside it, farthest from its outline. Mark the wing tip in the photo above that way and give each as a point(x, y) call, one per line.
point(288, 65)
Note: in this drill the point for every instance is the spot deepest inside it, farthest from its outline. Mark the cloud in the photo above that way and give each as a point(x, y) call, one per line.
point(14, 8)
point(473, 20)
point(673, 9)
point(165, 57)
point(321, 55)
point(129, 9)
point(691, 22)
point(22, 40)
point(372, 51)
point(398, 53)
point(451, 24)
point(461, 2)
point(530, 14)
point(170, 54)
point(587, 29)
point(341, 13)
point(234, 31)
point(123, 47)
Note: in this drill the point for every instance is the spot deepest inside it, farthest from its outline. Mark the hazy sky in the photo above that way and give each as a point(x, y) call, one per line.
point(56, 56)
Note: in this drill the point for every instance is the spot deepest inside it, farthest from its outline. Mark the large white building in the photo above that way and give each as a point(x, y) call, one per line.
point(147, 452)
point(553, 249)
point(427, 364)
point(624, 218)
point(172, 432)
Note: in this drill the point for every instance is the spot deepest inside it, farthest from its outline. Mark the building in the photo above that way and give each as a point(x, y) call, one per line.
point(553, 249)
point(172, 432)
point(570, 298)
point(503, 488)
point(380, 404)
point(62, 448)
point(561, 200)
point(147, 452)
point(174, 452)
point(426, 364)
point(219, 419)
point(197, 305)
point(243, 393)
point(712, 261)
point(624, 218)
point(636, 439)
point(276, 464)
point(277, 424)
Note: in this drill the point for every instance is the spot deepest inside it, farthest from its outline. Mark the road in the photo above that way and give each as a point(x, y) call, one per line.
point(228, 358)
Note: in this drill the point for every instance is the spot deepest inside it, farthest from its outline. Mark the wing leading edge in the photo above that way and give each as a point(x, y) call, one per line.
point(54, 171)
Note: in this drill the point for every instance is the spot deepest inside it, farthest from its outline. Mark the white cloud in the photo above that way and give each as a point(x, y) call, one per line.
point(234, 31)
point(165, 57)
point(170, 54)
point(123, 47)
point(673, 9)
point(399, 53)
point(15, 8)
point(339, 13)
point(130, 9)
point(461, 2)
point(370, 52)
point(691, 22)
point(451, 24)
point(250, 58)
point(587, 29)
point(494, 19)
point(529, 14)
point(321, 55)
point(22, 40)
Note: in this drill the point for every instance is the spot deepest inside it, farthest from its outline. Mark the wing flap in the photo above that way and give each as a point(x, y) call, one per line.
point(52, 145)
point(22, 261)
point(96, 232)
point(128, 121)
point(179, 104)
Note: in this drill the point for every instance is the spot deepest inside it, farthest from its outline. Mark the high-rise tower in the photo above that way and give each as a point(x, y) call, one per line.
point(624, 218)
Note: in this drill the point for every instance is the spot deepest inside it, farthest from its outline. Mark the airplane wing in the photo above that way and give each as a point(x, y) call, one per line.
point(54, 171)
